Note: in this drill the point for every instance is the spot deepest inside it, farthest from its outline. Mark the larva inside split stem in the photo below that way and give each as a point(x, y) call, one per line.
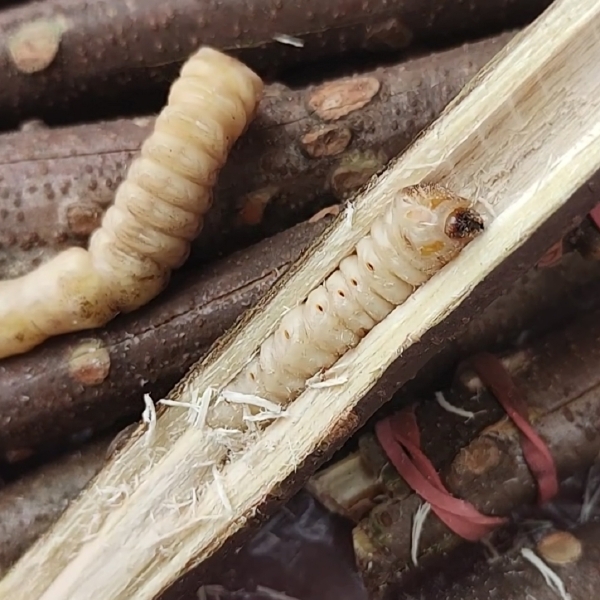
point(158, 210)
point(425, 227)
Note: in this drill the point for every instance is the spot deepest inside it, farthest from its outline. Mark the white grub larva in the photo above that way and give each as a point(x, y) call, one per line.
point(158, 210)
point(425, 227)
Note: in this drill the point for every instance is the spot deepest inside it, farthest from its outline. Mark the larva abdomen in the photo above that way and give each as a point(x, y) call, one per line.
point(179, 157)
point(320, 317)
point(292, 346)
point(374, 305)
point(167, 218)
point(158, 210)
point(342, 299)
point(134, 236)
point(425, 227)
point(147, 180)
point(177, 168)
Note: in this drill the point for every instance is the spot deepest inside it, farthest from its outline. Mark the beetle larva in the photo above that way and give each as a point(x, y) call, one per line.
point(425, 227)
point(158, 210)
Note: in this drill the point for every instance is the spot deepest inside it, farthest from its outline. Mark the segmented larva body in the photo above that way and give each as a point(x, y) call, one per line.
point(158, 210)
point(425, 227)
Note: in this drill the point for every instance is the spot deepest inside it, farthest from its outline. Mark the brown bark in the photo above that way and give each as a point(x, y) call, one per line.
point(30, 505)
point(532, 203)
point(62, 405)
point(559, 377)
point(513, 576)
point(55, 184)
point(82, 60)
point(90, 381)
point(541, 300)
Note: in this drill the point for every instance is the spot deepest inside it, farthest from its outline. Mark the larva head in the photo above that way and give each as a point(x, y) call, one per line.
point(435, 222)
point(464, 223)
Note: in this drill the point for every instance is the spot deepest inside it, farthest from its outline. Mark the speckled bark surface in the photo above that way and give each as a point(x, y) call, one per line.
point(30, 505)
point(511, 576)
point(83, 58)
point(306, 149)
point(77, 384)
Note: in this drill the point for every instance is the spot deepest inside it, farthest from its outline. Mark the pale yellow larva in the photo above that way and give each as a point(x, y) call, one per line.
point(158, 210)
point(425, 227)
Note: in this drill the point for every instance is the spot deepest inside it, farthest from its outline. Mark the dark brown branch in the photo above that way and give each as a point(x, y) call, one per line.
point(55, 184)
point(87, 59)
point(30, 505)
point(559, 376)
point(513, 576)
point(86, 381)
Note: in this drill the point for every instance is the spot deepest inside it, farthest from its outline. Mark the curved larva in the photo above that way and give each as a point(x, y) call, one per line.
point(157, 211)
point(425, 228)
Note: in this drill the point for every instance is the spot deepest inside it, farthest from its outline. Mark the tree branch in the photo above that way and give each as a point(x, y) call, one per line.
point(514, 138)
point(292, 161)
point(68, 59)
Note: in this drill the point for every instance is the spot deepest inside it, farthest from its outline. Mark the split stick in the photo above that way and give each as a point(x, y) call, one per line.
point(305, 149)
point(525, 137)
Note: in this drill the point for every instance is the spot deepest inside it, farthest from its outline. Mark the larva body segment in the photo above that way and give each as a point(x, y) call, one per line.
point(371, 303)
point(177, 168)
point(425, 227)
point(158, 210)
point(67, 279)
point(349, 310)
point(156, 215)
point(292, 346)
point(320, 317)
point(382, 279)
point(239, 85)
point(137, 236)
